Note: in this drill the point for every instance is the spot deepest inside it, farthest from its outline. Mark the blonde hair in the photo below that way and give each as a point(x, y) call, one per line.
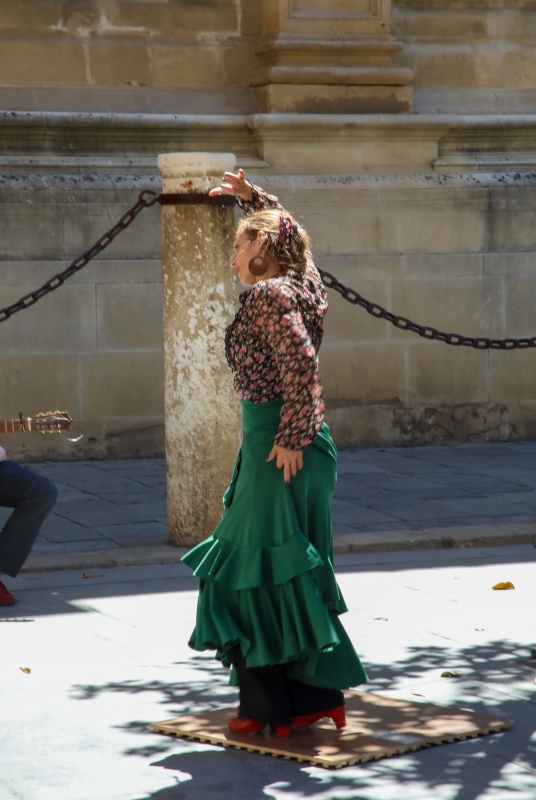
point(286, 241)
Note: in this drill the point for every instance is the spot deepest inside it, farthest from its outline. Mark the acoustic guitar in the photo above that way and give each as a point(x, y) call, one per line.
point(48, 422)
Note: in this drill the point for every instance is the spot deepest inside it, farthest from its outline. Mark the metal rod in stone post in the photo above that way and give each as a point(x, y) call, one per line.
point(203, 424)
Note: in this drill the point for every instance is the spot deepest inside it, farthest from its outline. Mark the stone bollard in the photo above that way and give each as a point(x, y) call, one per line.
point(203, 424)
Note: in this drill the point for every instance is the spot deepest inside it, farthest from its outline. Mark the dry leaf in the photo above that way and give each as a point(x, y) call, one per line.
point(27, 670)
point(504, 585)
point(91, 575)
point(448, 674)
point(383, 618)
point(417, 694)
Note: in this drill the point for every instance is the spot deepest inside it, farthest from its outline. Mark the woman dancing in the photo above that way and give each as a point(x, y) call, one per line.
point(269, 603)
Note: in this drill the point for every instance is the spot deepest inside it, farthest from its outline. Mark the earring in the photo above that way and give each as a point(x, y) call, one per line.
point(258, 266)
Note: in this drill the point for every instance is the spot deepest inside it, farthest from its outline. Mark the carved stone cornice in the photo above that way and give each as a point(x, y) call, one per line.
point(345, 144)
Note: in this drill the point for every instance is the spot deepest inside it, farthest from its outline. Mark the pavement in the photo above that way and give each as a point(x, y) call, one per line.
point(87, 662)
point(113, 513)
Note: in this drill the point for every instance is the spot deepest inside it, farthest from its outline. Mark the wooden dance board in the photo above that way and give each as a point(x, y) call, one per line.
point(377, 727)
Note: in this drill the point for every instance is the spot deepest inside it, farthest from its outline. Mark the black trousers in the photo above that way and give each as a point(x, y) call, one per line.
point(267, 695)
point(32, 498)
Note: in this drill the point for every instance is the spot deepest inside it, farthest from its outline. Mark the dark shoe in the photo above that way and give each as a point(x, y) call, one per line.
point(6, 598)
point(338, 715)
point(245, 725)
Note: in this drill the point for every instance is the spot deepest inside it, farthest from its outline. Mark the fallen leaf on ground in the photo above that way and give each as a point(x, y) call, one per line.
point(448, 674)
point(504, 585)
point(91, 575)
point(417, 694)
point(383, 618)
point(27, 670)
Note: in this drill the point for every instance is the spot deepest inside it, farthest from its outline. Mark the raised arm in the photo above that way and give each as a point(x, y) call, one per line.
point(250, 197)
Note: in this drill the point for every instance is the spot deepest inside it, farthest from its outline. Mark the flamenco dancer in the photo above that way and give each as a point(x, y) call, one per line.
point(269, 603)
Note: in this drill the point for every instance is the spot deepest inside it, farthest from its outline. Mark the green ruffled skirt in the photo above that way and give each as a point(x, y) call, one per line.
point(266, 574)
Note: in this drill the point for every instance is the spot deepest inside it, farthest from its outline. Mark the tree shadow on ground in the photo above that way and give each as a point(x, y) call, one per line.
point(495, 766)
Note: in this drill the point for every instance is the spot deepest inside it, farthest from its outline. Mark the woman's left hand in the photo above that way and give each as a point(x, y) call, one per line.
point(290, 461)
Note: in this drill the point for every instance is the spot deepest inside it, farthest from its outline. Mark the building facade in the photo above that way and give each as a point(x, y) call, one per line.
point(402, 137)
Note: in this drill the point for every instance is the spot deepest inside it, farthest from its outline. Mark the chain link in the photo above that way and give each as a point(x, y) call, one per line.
point(145, 199)
point(427, 332)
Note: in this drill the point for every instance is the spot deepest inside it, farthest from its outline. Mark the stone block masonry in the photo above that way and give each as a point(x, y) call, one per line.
point(430, 213)
point(451, 251)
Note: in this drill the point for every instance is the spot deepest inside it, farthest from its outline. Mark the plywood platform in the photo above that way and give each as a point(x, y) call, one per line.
point(377, 727)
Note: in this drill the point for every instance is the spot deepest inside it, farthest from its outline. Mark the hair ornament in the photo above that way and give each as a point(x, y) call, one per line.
point(287, 229)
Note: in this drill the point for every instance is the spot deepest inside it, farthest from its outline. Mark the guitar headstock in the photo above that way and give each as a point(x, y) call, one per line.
point(51, 422)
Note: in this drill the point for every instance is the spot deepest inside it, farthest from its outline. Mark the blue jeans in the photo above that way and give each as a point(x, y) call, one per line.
point(32, 498)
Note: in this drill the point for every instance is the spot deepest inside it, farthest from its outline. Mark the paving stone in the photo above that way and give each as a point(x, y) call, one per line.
point(153, 481)
point(344, 511)
point(353, 467)
point(69, 494)
point(526, 496)
point(95, 543)
point(87, 478)
point(99, 512)
point(369, 541)
point(521, 477)
point(58, 529)
point(133, 464)
point(155, 510)
point(518, 460)
point(466, 494)
point(429, 468)
point(145, 495)
point(352, 491)
point(479, 483)
point(484, 506)
point(378, 527)
point(417, 509)
point(476, 535)
point(134, 535)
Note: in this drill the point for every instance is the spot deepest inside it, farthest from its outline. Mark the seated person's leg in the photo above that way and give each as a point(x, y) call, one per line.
point(32, 498)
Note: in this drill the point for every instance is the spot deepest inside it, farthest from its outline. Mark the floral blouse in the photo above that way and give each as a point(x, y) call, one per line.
point(273, 342)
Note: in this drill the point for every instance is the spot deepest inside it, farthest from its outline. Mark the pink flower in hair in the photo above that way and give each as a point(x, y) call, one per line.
point(287, 229)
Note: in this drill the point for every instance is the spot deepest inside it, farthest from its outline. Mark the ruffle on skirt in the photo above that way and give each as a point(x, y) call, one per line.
point(266, 574)
point(237, 567)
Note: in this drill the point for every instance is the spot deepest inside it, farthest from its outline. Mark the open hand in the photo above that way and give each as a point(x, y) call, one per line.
point(290, 461)
point(236, 185)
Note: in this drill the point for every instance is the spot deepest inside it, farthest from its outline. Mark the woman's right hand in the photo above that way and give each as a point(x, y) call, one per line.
point(236, 185)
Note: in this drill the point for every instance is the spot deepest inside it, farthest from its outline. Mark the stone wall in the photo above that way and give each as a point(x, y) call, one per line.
point(93, 347)
point(128, 55)
point(470, 54)
point(430, 214)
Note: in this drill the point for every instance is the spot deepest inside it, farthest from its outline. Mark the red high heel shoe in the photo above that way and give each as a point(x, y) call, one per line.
point(338, 715)
point(245, 725)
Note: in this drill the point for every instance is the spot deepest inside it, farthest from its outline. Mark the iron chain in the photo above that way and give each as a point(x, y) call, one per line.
point(79, 263)
point(427, 332)
point(147, 198)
